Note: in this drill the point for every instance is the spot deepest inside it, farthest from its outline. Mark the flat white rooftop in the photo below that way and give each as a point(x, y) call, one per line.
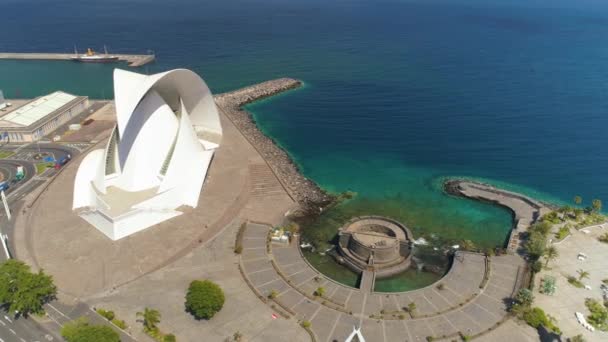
point(36, 109)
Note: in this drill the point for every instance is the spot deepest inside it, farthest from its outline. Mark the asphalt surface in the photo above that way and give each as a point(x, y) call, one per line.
point(25, 329)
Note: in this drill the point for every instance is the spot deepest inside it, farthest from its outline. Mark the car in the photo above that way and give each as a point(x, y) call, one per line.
point(4, 186)
point(61, 162)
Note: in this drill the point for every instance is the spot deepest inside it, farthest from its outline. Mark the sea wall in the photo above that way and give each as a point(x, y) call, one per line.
point(526, 211)
point(301, 189)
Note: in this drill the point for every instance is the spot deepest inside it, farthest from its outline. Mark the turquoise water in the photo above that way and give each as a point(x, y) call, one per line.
point(399, 94)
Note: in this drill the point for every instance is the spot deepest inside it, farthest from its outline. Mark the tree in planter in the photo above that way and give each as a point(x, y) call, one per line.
point(582, 274)
point(320, 291)
point(411, 307)
point(149, 318)
point(524, 297)
point(273, 294)
point(22, 291)
point(204, 299)
point(551, 253)
point(81, 331)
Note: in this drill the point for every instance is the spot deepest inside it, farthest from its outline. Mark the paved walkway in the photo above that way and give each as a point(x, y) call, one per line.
point(465, 303)
point(526, 210)
point(569, 299)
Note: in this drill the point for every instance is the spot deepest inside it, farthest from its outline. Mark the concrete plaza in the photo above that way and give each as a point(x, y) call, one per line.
point(569, 299)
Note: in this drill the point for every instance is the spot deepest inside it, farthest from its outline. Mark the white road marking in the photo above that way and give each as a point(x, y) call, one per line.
point(8, 319)
point(13, 331)
point(2, 322)
point(61, 313)
point(22, 339)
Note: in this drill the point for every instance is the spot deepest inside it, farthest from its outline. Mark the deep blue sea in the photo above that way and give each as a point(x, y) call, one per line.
point(399, 93)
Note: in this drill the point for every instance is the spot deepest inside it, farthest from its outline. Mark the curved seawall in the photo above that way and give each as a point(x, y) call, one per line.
point(525, 209)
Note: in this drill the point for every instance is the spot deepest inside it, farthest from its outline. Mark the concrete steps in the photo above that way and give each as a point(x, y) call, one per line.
point(263, 182)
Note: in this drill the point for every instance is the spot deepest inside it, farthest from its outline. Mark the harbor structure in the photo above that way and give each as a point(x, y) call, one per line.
point(133, 60)
point(40, 117)
point(156, 160)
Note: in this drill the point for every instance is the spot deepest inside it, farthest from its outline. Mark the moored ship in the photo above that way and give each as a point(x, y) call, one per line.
point(92, 57)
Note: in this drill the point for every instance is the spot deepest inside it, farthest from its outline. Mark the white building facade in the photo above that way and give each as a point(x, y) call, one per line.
point(157, 157)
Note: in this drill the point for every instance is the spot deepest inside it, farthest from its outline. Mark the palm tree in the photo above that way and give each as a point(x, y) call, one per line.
point(578, 200)
point(550, 254)
point(150, 318)
point(597, 205)
point(582, 274)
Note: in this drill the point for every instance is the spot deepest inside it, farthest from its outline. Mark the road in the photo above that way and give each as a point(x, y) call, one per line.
point(23, 330)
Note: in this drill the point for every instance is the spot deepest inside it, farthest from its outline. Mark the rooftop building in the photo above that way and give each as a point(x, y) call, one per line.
point(41, 116)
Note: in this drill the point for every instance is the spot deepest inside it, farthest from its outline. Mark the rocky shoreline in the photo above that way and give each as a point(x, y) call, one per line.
point(305, 192)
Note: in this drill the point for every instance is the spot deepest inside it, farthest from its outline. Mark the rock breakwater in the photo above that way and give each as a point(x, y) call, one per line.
point(308, 194)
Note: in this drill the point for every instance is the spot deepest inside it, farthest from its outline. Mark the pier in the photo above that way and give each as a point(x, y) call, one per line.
point(133, 60)
point(526, 211)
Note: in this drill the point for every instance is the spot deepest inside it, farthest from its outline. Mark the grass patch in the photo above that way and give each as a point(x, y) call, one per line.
point(5, 154)
point(562, 233)
point(41, 167)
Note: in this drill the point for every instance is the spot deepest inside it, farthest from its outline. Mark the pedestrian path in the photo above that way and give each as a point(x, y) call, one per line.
point(469, 300)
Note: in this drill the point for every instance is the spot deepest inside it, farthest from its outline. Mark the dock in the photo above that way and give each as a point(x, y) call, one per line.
point(133, 60)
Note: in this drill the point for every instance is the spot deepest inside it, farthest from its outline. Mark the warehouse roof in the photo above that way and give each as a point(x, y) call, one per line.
point(36, 109)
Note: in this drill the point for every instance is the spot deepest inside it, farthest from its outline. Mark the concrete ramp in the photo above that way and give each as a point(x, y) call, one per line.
point(368, 278)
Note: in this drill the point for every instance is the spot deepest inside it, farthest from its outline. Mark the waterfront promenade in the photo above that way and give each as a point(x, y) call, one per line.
point(133, 60)
point(249, 181)
point(470, 300)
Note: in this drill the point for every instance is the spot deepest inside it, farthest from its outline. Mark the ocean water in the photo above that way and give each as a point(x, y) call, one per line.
point(399, 94)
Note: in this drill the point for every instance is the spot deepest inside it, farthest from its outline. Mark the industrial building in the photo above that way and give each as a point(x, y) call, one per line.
point(40, 117)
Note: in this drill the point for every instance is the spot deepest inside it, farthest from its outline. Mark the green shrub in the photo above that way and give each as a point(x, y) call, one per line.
point(562, 233)
point(306, 324)
point(548, 285)
point(273, 294)
point(81, 331)
point(599, 314)
point(577, 338)
point(204, 299)
point(536, 317)
point(238, 250)
point(169, 338)
point(109, 315)
point(119, 323)
point(552, 217)
point(603, 238)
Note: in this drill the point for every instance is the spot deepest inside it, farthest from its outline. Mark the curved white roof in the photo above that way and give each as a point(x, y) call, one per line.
point(158, 156)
